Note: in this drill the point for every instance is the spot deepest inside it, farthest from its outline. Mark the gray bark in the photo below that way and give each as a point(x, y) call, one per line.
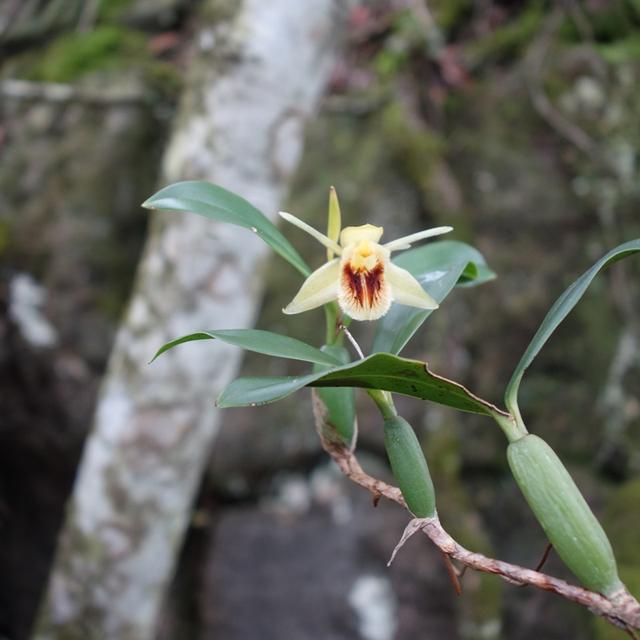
point(31, 19)
point(255, 81)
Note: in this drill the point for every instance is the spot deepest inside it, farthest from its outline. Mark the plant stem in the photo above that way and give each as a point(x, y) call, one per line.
point(352, 340)
point(621, 609)
point(512, 427)
point(384, 402)
point(331, 315)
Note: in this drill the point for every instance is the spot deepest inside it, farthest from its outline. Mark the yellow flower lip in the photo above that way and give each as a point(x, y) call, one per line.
point(351, 235)
point(363, 279)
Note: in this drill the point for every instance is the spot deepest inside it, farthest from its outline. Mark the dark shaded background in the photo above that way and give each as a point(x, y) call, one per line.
point(517, 123)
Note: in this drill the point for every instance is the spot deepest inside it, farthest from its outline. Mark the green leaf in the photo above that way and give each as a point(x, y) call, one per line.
point(271, 344)
point(558, 312)
point(214, 202)
point(339, 401)
point(407, 377)
point(438, 266)
point(378, 371)
point(251, 392)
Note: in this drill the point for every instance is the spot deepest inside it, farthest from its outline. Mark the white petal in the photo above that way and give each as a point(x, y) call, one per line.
point(320, 237)
point(407, 241)
point(407, 290)
point(318, 289)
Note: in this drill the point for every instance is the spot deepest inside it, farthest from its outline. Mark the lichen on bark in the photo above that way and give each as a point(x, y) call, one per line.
point(154, 426)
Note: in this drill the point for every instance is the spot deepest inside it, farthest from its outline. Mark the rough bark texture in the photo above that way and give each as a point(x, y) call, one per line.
point(241, 125)
point(72, 176)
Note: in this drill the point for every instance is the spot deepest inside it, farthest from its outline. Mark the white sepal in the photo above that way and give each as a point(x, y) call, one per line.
point(320, 237)
point(318, 289)
point(405, 289)
point(407, 241)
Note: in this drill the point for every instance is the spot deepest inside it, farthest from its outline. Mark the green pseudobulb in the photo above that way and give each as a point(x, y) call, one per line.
point(409, 467)
point(566, 518)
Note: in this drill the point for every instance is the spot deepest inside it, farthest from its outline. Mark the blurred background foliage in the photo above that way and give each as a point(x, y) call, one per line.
point(514, 121)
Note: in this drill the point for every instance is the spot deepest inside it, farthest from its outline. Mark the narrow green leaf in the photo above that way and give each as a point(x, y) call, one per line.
point(378, 371)
point(438, 266)
point(271, 344)
point(251, 392)
point(558, 312)
point(339, 401)
point(214, 202)
point(407, 377)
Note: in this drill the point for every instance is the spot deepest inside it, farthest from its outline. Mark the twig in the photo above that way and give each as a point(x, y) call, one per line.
point(59, 92)
point(534, 64)
point(88, 15)
point(433, 36)
point(9, 15)
point(541, 102)
point(453, 574)
point(580, 20)
point(621, 608)
point(545, 555)
point(346, 460)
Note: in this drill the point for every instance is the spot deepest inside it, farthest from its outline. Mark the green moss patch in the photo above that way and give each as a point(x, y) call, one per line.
point(73, 56)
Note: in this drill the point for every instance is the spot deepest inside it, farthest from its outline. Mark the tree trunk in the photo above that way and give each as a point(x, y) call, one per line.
point(257, 76)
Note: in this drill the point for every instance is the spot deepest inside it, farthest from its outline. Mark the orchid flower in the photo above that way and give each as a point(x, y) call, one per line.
point(362, 278)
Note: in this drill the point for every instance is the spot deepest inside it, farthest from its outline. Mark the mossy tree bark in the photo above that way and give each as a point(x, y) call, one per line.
point(256, 77)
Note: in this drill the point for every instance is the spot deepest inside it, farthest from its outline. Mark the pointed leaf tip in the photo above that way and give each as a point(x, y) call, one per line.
point(265, 342)
point(217, 203)
point(558, 312)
